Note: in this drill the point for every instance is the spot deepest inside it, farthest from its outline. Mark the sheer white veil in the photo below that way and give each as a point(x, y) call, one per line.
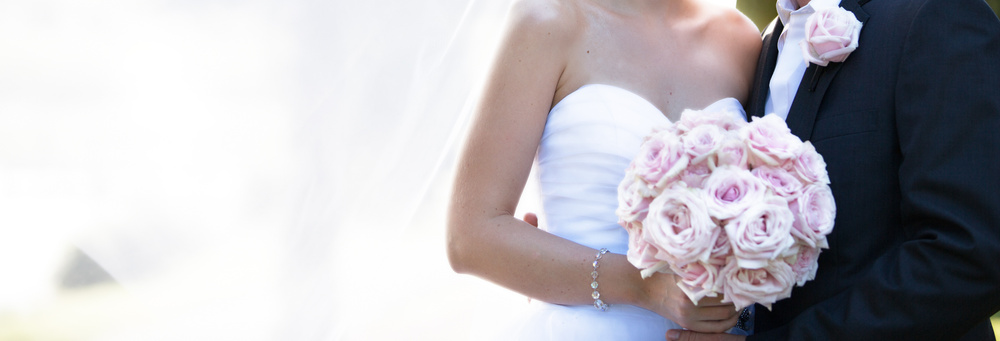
point(252, 170)
point(243, 170)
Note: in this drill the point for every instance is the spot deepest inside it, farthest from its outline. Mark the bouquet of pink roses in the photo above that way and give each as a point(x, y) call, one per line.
point(730, 207)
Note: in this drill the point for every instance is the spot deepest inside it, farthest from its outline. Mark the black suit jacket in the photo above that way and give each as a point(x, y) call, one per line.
point(909, 126)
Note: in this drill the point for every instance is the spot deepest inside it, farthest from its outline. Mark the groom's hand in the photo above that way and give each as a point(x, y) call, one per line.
point(687, 335)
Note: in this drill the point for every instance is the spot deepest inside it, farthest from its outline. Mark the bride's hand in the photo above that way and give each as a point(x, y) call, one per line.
point(663, 296)
point(531, 219)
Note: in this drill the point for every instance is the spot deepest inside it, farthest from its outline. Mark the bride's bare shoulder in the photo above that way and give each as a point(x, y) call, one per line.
point(550, 17)
point(731, 23)
point(734, 33)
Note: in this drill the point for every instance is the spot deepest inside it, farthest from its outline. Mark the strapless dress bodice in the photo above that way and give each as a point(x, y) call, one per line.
point(589, 140)
point(590, 137)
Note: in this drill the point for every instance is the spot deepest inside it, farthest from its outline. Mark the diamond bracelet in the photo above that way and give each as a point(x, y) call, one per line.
point(593, 285)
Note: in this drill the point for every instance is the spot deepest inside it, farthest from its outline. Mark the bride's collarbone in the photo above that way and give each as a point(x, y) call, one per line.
point(670, 93)
point(671, 71)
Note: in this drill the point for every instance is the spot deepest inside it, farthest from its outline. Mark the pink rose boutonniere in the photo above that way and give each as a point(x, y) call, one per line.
point(831, 35)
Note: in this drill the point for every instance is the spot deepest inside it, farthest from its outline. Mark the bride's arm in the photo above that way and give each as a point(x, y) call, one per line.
point(485, 240)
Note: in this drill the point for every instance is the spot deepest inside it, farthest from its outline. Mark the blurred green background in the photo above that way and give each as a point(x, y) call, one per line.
point(762, 11)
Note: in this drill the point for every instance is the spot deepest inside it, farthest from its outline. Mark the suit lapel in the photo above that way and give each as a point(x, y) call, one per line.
point(767, 61)
point(815, 83)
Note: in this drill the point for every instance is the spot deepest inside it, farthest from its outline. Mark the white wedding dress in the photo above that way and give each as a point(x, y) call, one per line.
point(590, 137)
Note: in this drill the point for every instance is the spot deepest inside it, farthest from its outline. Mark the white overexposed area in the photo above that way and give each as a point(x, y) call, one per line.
point(238, 170)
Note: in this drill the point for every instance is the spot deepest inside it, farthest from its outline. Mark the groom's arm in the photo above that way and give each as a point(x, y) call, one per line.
point(945, 278)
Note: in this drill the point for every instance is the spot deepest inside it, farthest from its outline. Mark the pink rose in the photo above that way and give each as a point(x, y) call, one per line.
point(698, 280)
point(770, 141)
point(762, 233)
point(679, 225)
point(634, 197)
point(809, 165)
point(691, 118)
point(641, 254)
point(730, 190)
point(814, 211)
point(831, 35)
point(669, 128)
point(702, 141)
point(780, 181)
point(694, 176)
point(661, 158)
point(804, 263)
point(695, 118)
point(732, 152)
point(721, 251)
point(765, 285)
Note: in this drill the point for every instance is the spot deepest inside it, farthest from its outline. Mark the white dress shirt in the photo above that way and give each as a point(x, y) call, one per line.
point(791, 64)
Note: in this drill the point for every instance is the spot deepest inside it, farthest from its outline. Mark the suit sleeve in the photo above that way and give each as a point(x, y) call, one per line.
point(944, 279)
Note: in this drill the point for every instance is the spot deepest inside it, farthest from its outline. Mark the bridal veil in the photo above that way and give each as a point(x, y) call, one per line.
point(237, 170)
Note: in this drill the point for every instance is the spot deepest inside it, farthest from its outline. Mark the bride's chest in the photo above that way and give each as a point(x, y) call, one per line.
point(672, 78)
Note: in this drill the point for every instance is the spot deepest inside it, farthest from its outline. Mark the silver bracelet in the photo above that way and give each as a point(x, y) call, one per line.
point(593, 285)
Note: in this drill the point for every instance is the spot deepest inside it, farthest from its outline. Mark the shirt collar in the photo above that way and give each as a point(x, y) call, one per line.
point(785, 9)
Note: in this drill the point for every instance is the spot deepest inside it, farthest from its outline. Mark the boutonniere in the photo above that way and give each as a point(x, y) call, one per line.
point(831, 35)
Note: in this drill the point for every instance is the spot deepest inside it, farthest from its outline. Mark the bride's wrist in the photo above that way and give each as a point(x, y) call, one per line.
point(653, 290)
point(621, 283)
point(634, 288)
point(643, 293)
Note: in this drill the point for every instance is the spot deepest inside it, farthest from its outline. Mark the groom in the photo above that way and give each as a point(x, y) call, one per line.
point(909, 126)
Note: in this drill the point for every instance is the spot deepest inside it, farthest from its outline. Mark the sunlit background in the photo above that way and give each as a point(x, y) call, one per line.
point(240, 170)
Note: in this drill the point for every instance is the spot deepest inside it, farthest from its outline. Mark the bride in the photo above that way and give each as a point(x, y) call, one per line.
point(578, 83)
